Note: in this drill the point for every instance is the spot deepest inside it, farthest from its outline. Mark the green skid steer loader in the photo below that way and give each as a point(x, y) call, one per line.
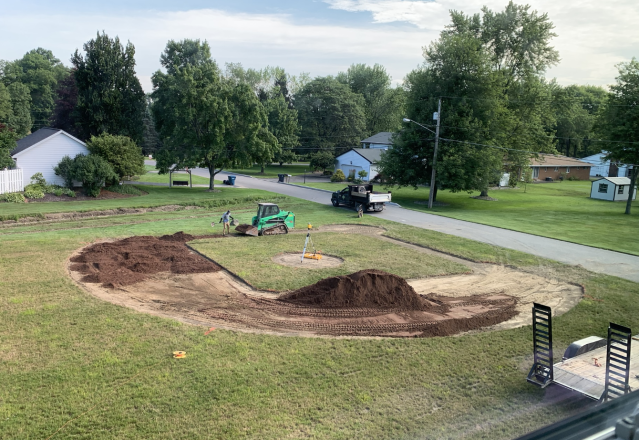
point(269, 221)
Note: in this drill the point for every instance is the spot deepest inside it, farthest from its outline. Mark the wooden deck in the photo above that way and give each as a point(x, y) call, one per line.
point(581, 374)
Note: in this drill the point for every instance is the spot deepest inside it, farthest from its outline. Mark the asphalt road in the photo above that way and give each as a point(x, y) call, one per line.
point(594, 259)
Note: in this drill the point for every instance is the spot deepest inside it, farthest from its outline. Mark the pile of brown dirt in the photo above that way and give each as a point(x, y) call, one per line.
point(131, 260)
point(368, 288)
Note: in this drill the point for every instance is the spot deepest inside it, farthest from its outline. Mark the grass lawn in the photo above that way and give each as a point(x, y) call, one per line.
point(157, 196)
point(561, 210)
point(107, 370)
point(271, 171)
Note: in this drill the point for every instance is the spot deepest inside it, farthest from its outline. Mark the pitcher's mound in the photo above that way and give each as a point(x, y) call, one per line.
point(295, 260)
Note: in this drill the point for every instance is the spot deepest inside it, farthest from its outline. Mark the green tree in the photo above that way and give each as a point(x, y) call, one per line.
point(120, 151)
point(283, 124)
point(20, 120)
point(94, 172)
point(110, 97)
point(330, 114)
point(40, 71)
point(8, 138)
point(66, 169)
point(64, 114)
point(150, 138)
point(322, 160)
point(202, 118)
point(618, 121)
point(384, 106)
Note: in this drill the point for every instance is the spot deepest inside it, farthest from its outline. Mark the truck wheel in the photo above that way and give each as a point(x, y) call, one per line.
point(335, 202)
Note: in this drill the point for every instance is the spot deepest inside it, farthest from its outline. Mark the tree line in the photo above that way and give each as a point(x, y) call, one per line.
point(498, 109)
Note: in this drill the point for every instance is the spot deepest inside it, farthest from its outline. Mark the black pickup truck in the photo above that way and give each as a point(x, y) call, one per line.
point(363, 196)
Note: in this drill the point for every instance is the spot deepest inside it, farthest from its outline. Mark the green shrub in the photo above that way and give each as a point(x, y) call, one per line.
point(125, 189)
point(34, 193)
point(14, 198)
point(362, 174)
point(122, 153)
point(66, 170)
point(70, 193)
point(338, 176)
point(93, 171)
point(573, 178)
point(37, 180)
point(58, 192)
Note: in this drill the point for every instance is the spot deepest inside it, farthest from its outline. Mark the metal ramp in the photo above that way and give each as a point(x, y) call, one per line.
point(617, 362)
point(541, 373)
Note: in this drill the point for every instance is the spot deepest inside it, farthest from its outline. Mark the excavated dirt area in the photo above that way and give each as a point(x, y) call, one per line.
point(177, 282)
point(295, 260)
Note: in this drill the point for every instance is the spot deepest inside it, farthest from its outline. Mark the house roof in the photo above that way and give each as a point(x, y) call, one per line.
point(34, 138)
point(616, 180)
point(373, 155)
point(549, 160)
point(383, 137)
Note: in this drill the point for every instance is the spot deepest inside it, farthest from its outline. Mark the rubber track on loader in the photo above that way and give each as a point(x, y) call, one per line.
point(275, 230)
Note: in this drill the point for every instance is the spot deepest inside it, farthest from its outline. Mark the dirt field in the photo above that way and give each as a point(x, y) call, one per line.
point(489, 298)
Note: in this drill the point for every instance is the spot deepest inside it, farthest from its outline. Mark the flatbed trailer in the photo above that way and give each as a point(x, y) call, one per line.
point(361, 196)
point(601, 369)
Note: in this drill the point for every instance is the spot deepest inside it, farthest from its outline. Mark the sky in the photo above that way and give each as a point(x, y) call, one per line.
point(320, 37)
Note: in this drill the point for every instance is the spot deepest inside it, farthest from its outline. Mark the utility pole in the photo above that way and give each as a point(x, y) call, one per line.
point(431, 196)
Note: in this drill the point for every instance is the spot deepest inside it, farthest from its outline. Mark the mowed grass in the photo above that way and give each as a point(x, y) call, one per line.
point(359, 252)
point(107, 371)
point(164, 178)
point(271, 171)
point(561, 210)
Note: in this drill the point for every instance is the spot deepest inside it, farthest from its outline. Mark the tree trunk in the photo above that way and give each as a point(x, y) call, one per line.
point(633, 181)
point(435, 193)
point(568, 147)
point(262, 170)
point(484, 193)
point(211, 176)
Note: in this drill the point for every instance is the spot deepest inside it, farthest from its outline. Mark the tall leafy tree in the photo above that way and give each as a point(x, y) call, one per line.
point(64, 115)
point(8, 139)
point(20, 121)
point(619, 121)
point(120, 151)
point(110, 97)
point(330, 114)
point(204, 119)
point(384, 106)
point(40, 71)
point(150, 139)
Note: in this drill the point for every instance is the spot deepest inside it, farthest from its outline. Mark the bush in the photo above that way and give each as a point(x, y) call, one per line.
point(93, 171)
point(125, 189)
point(338, 176)
point(120, 152)
point(38, 181)
point(66, 170)
point(322, 160)
point(58, 192)
point(573, 178)
point(357, 181)
point(34, 193)
point(327, 173)
point(70, 193)
point(14, 198)
point(362, 174)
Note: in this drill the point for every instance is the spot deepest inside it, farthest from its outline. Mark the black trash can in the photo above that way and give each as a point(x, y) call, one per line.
point(281, 178)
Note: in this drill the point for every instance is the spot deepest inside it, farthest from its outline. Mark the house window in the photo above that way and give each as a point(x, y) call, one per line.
point(556, 168)
point(603, 187)
point(620, 189)
point(567, 170)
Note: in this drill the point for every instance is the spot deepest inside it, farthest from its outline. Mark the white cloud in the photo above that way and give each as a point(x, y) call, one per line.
point(592, 35)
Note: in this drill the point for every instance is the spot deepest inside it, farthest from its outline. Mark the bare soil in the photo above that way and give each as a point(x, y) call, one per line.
point(368, 303)
point(295, 260)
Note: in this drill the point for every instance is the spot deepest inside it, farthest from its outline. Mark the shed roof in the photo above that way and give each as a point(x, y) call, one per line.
point(562, 161)
point(34, 138)
point(383, 137)
point(616, 180)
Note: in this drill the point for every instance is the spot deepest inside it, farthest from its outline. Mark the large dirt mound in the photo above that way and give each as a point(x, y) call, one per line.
point(368, 288)
point(131, 260)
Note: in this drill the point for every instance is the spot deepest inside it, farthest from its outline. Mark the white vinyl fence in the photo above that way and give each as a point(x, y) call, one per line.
point(11, 181)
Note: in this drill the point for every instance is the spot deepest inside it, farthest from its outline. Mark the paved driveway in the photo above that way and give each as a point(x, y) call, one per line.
point(594, 259)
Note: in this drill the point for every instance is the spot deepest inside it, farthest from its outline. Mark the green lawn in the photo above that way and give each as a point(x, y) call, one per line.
point(271, 171)
point(561, 210)
point(157, 196)
point(106, 370)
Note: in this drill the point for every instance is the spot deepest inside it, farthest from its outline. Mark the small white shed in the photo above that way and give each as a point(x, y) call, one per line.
point(358, 159)
point(42, 150)
point(614, 189)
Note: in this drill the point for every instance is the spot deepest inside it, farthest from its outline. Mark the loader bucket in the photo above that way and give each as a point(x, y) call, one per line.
point(248, 230)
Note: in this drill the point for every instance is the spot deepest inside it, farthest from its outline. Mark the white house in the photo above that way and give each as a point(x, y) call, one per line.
point(358, 159)
point(42, 150)
point(603, 168)
point(615, 189)
point(381, 140)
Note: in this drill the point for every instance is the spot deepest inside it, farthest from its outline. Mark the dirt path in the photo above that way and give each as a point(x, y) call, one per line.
point(493, 297)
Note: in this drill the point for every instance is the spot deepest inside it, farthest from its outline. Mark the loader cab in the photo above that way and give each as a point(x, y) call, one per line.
point(267, 210)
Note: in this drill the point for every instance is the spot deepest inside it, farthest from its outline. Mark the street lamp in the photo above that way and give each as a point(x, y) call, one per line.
point(437, 117)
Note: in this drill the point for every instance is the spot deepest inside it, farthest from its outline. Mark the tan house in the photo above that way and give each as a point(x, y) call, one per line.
point(554, 167)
